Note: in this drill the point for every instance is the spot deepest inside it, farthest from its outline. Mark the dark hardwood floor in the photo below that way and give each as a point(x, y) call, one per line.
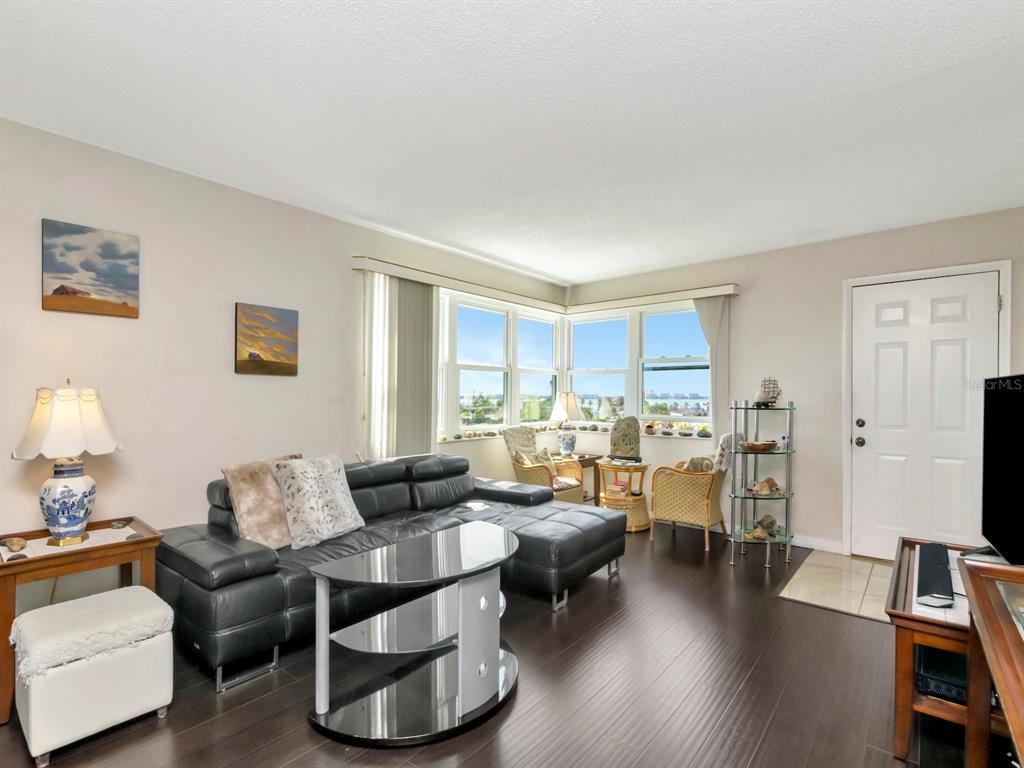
point(680, 661)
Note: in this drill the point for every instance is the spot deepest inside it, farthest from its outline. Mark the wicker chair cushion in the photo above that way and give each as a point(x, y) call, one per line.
point(564, 483)
point(541, 457)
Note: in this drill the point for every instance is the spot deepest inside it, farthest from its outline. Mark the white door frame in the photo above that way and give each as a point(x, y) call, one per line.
point(1003, 267)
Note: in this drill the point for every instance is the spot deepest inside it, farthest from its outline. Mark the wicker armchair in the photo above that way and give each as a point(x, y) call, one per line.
point(567, 482)
point(679, 495)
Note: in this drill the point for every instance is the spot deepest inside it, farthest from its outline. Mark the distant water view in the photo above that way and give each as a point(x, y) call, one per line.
point(481, 408)
point(686, 406)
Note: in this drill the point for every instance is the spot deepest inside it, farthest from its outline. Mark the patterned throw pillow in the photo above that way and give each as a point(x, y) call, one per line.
point(256, 500)
point(317, 499)
point(700, 464)
point(540, 457)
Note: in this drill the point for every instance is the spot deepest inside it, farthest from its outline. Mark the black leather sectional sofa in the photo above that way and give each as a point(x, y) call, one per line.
point(234, 598)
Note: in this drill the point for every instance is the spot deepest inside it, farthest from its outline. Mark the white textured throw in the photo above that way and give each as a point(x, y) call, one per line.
point(59, 634)
point(317, 499)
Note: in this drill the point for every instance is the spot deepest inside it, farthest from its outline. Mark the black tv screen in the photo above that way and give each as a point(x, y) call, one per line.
point(1002, 520)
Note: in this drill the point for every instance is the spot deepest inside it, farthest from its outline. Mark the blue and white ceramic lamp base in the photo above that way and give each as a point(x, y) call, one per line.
point(66, 501)
point(566, 441)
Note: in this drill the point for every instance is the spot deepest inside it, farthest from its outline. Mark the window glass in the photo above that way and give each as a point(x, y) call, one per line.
point(481, 397)
point(601, 396)
point(676, 391)
point(536, 396)
point(479, 336)
point(599, 344)
point(536, 341)
point(674, 334)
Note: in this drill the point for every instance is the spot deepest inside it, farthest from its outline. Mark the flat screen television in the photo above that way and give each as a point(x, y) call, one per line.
point(1002, 504)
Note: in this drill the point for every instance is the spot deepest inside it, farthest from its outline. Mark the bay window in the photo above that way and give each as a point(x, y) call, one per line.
point(675, 368)
point(502, 364)
point(481, 365)
point(599, 367)
point(536, 368)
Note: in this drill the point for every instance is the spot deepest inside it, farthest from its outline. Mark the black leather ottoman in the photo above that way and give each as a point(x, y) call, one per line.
point(559, 543)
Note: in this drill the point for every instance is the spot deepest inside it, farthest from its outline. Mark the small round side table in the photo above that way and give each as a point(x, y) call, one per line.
point(635, 506)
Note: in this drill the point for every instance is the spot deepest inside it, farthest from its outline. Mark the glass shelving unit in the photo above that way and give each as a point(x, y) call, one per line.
point(747, 471)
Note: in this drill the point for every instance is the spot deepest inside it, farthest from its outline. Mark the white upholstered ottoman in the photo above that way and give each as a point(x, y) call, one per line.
point(88, 664)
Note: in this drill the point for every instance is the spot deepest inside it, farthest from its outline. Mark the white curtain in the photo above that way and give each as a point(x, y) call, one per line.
point(399, 366)
point(713, 312)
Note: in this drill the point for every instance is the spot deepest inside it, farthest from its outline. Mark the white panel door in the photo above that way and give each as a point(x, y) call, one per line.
point(920, 350)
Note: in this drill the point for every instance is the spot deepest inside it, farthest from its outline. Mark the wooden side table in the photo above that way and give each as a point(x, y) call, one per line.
point(913, 629)
point(635, 506)
point(61, 562)
point(589, 461)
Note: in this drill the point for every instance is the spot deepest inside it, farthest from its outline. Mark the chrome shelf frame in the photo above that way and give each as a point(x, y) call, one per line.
point(745, 473)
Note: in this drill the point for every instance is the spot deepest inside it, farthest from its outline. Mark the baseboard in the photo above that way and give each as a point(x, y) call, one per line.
point(814, 542)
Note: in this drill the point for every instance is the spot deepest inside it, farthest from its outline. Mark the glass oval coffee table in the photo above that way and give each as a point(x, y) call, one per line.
point(462, 671)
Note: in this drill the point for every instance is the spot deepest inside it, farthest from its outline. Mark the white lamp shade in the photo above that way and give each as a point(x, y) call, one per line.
point(567, 408)
point(66, 423)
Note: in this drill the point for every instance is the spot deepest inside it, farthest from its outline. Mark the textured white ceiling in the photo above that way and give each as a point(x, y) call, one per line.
point(576, 140)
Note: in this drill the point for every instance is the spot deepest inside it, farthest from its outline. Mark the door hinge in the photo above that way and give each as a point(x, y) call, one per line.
point(999, 302)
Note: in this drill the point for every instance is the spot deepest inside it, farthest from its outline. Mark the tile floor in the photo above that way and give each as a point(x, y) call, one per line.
point(854, 585)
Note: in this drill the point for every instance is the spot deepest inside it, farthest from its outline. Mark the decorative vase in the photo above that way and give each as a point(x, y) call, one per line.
point(566, 441)
point(66, 501)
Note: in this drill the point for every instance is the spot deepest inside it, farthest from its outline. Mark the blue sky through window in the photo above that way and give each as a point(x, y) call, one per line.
point(600, 344)
point(675, 334)
point(480, 336)
point(536, 343)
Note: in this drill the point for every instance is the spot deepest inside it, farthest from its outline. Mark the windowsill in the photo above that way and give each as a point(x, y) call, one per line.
point(468, 439)
point(679, 437)
point(643, 436)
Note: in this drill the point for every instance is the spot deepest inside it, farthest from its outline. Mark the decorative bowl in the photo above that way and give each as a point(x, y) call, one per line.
point(762, 446)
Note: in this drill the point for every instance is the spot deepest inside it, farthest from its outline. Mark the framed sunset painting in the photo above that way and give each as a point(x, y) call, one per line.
point(95, 271)
point(266, 340)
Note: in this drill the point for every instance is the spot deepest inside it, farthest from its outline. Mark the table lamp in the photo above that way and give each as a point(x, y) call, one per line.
point(65, 424)
point(567, 408)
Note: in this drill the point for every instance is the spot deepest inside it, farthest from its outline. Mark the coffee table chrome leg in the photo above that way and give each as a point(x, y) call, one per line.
point(479, 640)
point(323, 645)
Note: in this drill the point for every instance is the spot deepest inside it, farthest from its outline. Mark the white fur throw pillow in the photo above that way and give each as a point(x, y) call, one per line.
point(317, 499)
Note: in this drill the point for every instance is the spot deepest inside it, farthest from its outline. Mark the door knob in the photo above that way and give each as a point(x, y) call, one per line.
point(860, 422)
point(859, 442)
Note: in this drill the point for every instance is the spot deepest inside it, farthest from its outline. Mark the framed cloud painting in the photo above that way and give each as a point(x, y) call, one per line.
point(90, 270)
point(266, 340)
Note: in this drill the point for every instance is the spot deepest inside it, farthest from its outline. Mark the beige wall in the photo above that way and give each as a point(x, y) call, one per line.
point(787, 323)
point(167, 378)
